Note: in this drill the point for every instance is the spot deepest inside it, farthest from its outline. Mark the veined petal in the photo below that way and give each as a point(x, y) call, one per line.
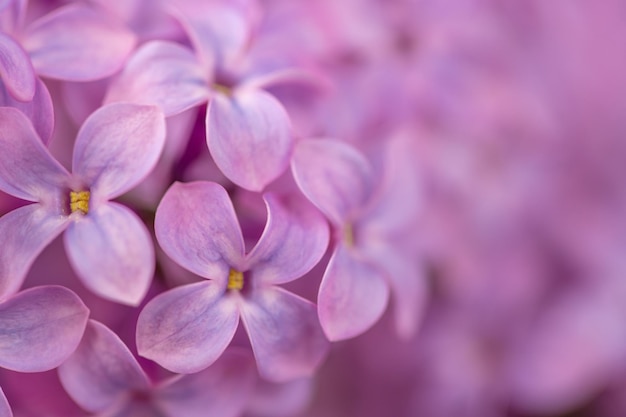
point(220, 390)
point(352, 297)
point(25, 232)
point(112, 252)
point(5, 408)
point(39, 110)
point(249, 136)
point(334, 176)
point(285, 334)
point(164, 74)
point(187, 328)
point(102, 370)
point(117, 147)
point(294, 240)
point(41, 327)
point(27, 170)
point(16, 70)
point(78, 42)
point(196, 226)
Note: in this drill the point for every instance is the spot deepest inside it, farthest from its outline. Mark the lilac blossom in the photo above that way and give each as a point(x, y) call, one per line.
point(187, 328)
point(109, 247)
point(104, 378)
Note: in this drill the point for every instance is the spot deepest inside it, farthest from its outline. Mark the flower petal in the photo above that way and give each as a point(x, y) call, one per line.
point(102, 370)
point(5, 408)
point(118, 146)
point(41, 327)
point(78, 42)
point(196, 226)
point(249, 136)
point(25, 232)
point(164, 74)
point(352, 297)
point(39, 110)
point(334, 176)
point(16, 70)
point(294, 240)
point(187, 328)
point(112, 252)
point(285, 334)
point(27, 170)
point(220, 390)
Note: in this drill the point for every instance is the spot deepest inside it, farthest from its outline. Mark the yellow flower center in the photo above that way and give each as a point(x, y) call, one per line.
point(79, 201)
point(348, 235)
point(235, 280)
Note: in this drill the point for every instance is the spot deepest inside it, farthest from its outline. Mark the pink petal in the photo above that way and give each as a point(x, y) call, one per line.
point(78, 43)
point(25, 232)
point(5, 408)
point(16, 70)
point(41, 327)
point(294, 240)
point(39, 110)
point(220, 390)
point(196, 226)
point(352, 297)
point(187, 328)
point(249, 136)
point(335, 176)
point(285, 334)
point(112, 252)
point(102, 371)
point(117, 147)
point(27, 170)
point(161, 73)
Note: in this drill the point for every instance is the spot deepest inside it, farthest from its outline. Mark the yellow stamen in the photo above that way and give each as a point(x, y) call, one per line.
point(348, 235)
point(220, 88)
point(235, 280)
point(79, 201)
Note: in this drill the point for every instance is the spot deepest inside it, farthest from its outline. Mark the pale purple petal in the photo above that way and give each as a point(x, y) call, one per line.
point(335, 176)
point(39, 110)
point(27, 170)
point(102, 370)
point(78, 42)
point(5, 408)
point(164, 74)
point(117, 147)
point(352, 297)
point(112, 252)
point(294, 240)
point(187, 328)
point(249, 136)
point(196, 226)
point(41, 327)
point(285, 334)
point(16, 70)
point(25, 232)
point(220, 390)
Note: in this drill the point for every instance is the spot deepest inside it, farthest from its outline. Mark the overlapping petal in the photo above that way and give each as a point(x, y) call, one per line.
point(197, 227)
point(27, 170)
point(220, 390)
point(16, 70)
point(25, 232)
point(334, 176)
point(102, 370)
point(187, 328)
point(78, 42)
point(117, 146)
point(285, 334)
point(5, 408)
point(294, 240)
point(164, 74)
point(352, 297)
point(41, 327)
point(112, 252)
point(249, 136)
point(39, 110)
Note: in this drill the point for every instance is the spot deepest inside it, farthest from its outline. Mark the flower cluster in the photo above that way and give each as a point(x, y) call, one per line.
point(305, 208)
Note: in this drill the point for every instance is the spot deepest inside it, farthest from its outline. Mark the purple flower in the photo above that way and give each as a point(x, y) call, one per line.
point(103, 376)
point(108, 246)
point(187, 328)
